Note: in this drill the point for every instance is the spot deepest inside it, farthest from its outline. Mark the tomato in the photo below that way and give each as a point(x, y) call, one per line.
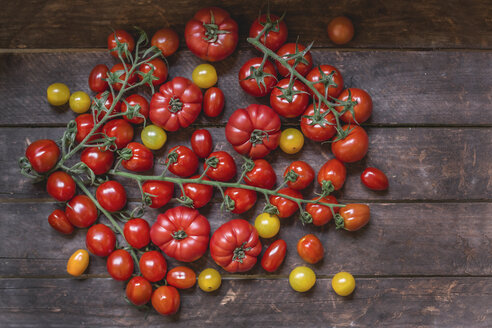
point(199, 193)
point(134, 100)
point(274, 38)
point(310, 249)
point(374, 179)
point(138, 291)
point(253, 131)
point(286, 207)
point(100, 162)
point(153, 137)
point(331, 80)
point(204, 75)
point(96, 82)
point(58, 94)
point(255, 82)
point(137, 232)
point(103, 102)
point(119, 70)
point(124, 38)
point(302, 279)
point(181, 277)
point(201, 143)
point(213, 102)
point(209, 280)
point(239, 200)
point(111, 195)
point(160, 192)
point(141, 158)
point(267, 225)
point(291, 141)
point(60, 186)
point(211, 34)
point(289, 103)
point(120, 265)
point(159, 75)
point(78, 262)
point(181, 233)
point(334, 171)
point(353, 217)
point(100, 240)
point(59, 221)
point(119, 129)
point(304, 172)
point(79, 102)
point(85, 124)
point(261, 175)
point(322, 214)
point(165, 300)
point(343, 283)
point(318, 124)
point(153, 266)
point(274, 256)
point(81, 211)
point(184, 162)
point(302, 65)
point(177, 104)
point(362, 107)
point(166, 40)
point(340, 30)
point(353, 147)
point(220, 166)
point(43, 155)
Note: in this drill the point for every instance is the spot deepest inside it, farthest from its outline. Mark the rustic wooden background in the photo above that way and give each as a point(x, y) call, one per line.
point(424, 260)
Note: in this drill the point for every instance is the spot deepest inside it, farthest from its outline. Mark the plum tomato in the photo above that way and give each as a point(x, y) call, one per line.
point(310, 249)
point(199, 193)
point(120, 265)
point(60, 186)
point(96, 78)
point(138, 291)
point(137, 232)
point(261, 175)
point(274, 256)
point(111, 195)
point(99, 161)
point(183, 161)
point(181, 277)
point(353, 217)
point(374, 179)
point(81, 211)
point(58, 220)
point(42, 155)
point(322, 214)
point(201, 143)
point(85, 124)
point(153, 266)
point(78, 262)
point(220, 166)
point(166, 40)
point(213, 102)
point(334, 171)
point(239, 200)
point(286, 207)
point(100, 240)
point(302, 176)
point(159, 192)
point(123, 38)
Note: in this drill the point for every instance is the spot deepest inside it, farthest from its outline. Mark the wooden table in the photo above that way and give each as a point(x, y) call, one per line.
point(424, 260)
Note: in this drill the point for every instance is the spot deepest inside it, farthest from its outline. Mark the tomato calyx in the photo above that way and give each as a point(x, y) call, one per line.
point(306, 218)
point(269, 25)
point(240, 253)
point(349, 105)
point(228, 203)
point(271, 209)
point(212, 30)
point(175, 105)
point(248, 164)
point(125, 153)
point(186, 201)
point(339, 222)
point(259, 75)
point(28, 171)
point(291, 176)
point(327, 188)
point(327, 80)
point(179, 235)
point(318, 118)
point(257, 136)
point(172, 157)
point(212, 162)
point(298, 56)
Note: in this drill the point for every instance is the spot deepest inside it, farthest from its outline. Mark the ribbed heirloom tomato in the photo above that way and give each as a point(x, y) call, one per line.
point(201, 143)
point(160, 192)
point(134, 100)
point(153, 266)
point(289, 103)
point(239, 200)
point(141, 158)
point(59, 221)
point(310, 249)
point(139, 290)
point(353, 217)
point(361, 106)
point(165, 300)
point(254, 81)
point(330, 80)
point(99, 161)
point(43, 155)
point(120, 265)
point(274, 256)
point(334, 171)
point(302, 65)
point(119, 129)
point(274, 38)
point(322, 214)
point(261, 175)
point(318, 124)
point(137, 232)
point(286, 207)
point(60, 186)
point(181, 277)
point(96, 82)
point(100, 240)
point(81, 211)
point(303, 173)
point(111, 195)
point(220, 166)
point(183, 160)
point(353, 147)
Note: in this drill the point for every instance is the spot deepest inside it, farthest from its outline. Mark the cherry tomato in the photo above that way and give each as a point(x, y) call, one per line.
point(105, 101)
point(78, 262)
point(100, 162)
point(304, 172)
point(213, 102)
point(291, 141)
point(318, 124)
point(59, 221)
point(204, 75)
point(81, 211)
point(111, 195)
point(289, 103)
point(340, 30)
point(267, 225)
point(199, 193)
point(274, 38)
point(85, 124)
point(60, 186)
point(167, 40)
point(138, 291)
point(141, 160)
point(135, 100)
point(209, 280)
point(331, 80)
point(286, 207)
point(355, 216)
point(165, 300)
point(353, 147)
point(334, 171)
point(159, 75)
point(181, 277)
point(201, 143)
point(302, 279)
point(153, 266)
point(58, 94)
point(343, 283)
point(137, 232)
point(124, 38)
point(310, 249)
point(362, 107)
point(374, 179)
point(79, 102)
point(43, 155)
point(303, 66)
point(253, 85)
point(243, 199)
point(222, 166)
point(160, 192)
point(261, 175)
point(274, 256)
point(184, 161)
point(121, 130)
point(96, 82)
point(120, 265)
point(153, 137)
point(100, 240)
point(322, 214)
point(119, 70)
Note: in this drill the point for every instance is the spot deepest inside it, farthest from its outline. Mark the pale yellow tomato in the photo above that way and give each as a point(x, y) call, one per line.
point(302, 279)
point(58, 94)
point(78, 262)
point(267, 225)
point(153, 137)
point(80, 102)
point(205, 76)
point(343, 283)
point(291, 141)
point(209, 280)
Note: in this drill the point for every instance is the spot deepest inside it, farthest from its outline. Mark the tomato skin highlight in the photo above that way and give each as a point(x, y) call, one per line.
point(111, 195)
point(225, 169)
point(100, 240)
point(310, 249)
point(61, 186)
point(201, 143)
point(78, 262)
point(81, 211)
point(153, 266)
point(186, 162)
point(250, 85)
point(355, 216)
point(322, 214)
point(96, 82)
point(334, 171)
point(363, 108)
point(123, 37)
point(274, 256)
point(142, 158)
point(340, 30)
point(374, 179)
point(161, 192)
point(59, 221)
point(100, 162)
point(43, 155)
point(167, 40)
point(120, 265)
point(305, 175)
point(166, 300)
point(244, 199)
point(353, 147)
point(273, 39)
point(261, 175)
point(286, 207)
point(138, 291)
point(137, 232)
point(213, 102)
point(181, 277)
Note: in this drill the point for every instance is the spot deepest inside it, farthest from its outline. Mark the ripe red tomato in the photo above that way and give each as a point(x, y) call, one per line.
point(303, 66)
point(213, 102)
point(340, 30)
point(319, 125)
point(119, 129)
point(105, 100)
point(201, 143)
point(211, 34)
point(120, 265)
point(59, 221)
point(123, 37)
point(261, 175)
point(362, 107)
point(167, 40)
point(254, 131)
point(137, 232)
point(165, 300)
point(374, 179)
point(243, 199)
point(305, 175)
point(334, 171)
point(235, 246)
point(111, 195)
point(100, 240)
point(220, 166)
point(181, 233)
point(353, 147)
point(160, 192)
point(184, 163)
point(355, 216)
point(153, 266)
point(81, 211)
point(274, 38)
point(138, 291)
point(85, 124)
point(322, 214)
point(100, 162)
point(286, 207)
point(274, 256)
point(181, 277)
point(43, 155)
point(199, 193)
point(134, 100)
point(255, 82)
point(310, 249)
point(289, 103)
point(96, 82)
point(119, 69)
point(141, 159)
point(331, 80)
point(60, 186)
point(160, 71)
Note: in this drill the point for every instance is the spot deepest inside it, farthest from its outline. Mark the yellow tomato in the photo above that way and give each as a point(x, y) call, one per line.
point(267, 225)
point(302, 279)
point(343, 283)
point(209, 280)
point(58, 94)
point(78, 262)
point(291, 141)
point(205, 76)
point(153, 137)
point(80, 102)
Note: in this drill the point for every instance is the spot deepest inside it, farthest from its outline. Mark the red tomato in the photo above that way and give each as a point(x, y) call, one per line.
point(124, 38)
point(119, 129)
point(200, 194)
point(153, 266)
point(141, 158)
point(374, 179)
point(362, 107)
point(160, 71)
point(111, 196)
point(96, 82)
point(261, 175)
point(211, 34)
point(119, 70)
point(274, 256)
point(137, 232)
point(242, 199)
point(354, 217)
point(167, 40)
point(213, 102)
point(177, 104)
point(59, 221)
point(100, 240)
point(81, 211)
point(286, 207)
point(135, 100)
point(305, 175)
point(255, 82)
point(85, 124)
point(334, 171)
point(138, 291)
point(160, 192)
point(254, 131)
point(331, 80)
point(322, 214)
point(235, 246)
point(120, 265)
point(181, 233)
point(61, 186)
point(43, 155)
point(98, 161)
point(303, 65)
point(318, 125)
point(165, 300)
point(353, 147)
point(181, 277)
point(220, 166)
point(310, 249)
point(275, 37)
point(184, 161)
point(201, 143)
point(340, 30)
point(289, 103)
point(103, 102)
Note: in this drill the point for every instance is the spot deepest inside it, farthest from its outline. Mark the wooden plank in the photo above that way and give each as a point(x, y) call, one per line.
point(381, 24)
point(409, 87)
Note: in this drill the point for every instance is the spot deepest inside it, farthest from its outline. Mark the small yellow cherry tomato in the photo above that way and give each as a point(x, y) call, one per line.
point(205, 76)
point(302, 279)
point(267, 225)
point(209, 280)
point(58, 94)
point(78, 262)
point(153, 137)
point(291, 141)
point(343, 283)
point(80, 102)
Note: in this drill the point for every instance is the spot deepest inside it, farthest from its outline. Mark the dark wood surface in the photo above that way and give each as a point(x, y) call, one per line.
point(425, 260)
